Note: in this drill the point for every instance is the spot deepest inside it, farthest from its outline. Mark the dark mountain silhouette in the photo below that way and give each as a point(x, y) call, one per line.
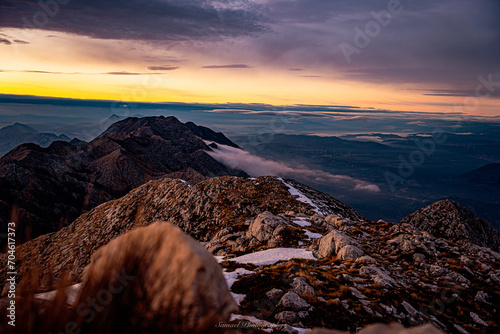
point(486, 175)
point(450, 220)
point(17, 134)
point(44, 189)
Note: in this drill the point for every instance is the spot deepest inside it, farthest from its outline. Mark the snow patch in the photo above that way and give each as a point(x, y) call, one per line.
point(233, 276)
point(301, 197)
point(312, 235)
point(302, 221)
point(271, 256)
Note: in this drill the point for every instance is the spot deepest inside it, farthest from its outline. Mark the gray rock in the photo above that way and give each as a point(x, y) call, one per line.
point(477, 320)
point(350, 253)
point(287, 317)
point(274, 293)
point(303, 314)
point(482, 297)
point(263, 227)
point(379, 276)
point(292, 301)
point(301, 287)
point(333, 242)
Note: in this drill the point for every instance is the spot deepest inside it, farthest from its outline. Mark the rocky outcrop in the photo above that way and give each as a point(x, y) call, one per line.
point(335, 242)
point(449, 220)
point(177, 286)
point(215, 209)
point(267, 228)
point(45, 189)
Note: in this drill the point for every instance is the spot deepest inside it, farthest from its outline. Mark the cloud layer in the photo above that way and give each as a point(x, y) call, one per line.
point(257, 166)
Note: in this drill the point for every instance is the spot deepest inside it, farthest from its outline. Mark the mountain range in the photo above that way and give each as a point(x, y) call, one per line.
point(44, 189)
point(16, 134)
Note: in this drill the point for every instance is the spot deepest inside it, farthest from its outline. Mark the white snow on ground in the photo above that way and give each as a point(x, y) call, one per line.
point(302, 221)
point(301, 197)
point(238, 297)
point(264, 325)
point(312, 235)
point(271, 256)
point(219, 259)
point(71, 294)
point(234, 275)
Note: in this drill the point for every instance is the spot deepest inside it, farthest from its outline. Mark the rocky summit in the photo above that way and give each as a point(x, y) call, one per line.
point(447, 219)
point(44, 189)
point(293, 258)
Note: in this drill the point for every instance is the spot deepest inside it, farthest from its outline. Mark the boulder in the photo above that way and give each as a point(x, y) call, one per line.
point(333, 242)
point(292, 301)
point(350, 253)
point(266, 226)
point(301, 287)
point(394, 328)
point(156, 277)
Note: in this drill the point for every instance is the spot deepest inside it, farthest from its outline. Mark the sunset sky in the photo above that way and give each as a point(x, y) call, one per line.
point(430, 56)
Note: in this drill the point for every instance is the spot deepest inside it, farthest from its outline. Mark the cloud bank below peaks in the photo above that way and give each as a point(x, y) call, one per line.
point(257, 166)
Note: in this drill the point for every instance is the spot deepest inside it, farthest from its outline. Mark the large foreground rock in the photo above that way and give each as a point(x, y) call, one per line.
point(394, 328)
point(156, 277)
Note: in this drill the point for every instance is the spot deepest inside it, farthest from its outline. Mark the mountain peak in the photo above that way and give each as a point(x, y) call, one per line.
point(449, 220)
point(20, 128)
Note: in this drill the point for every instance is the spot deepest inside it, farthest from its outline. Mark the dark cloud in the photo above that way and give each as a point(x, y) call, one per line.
point(5, 41)
point(134, 19)
point(295, 69)
point(228, 66)
point(463, 93)
point(431, 42)
point(162, 68)
point(20, 41)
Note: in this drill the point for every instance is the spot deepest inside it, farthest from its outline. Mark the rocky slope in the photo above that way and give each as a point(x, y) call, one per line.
point(447, 219)
point(294, 258)
point(17, 134)
point(216, 205)
point(44, 189)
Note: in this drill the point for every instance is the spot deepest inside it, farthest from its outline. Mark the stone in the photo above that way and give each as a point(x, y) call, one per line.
point(477, 319)
point(274, 294)
point(394, 328)
point(333, 242)
point(350, 253)
point(292, 301)
point(482, 297)
point(286, 317)
point(301, 287)
point(264, 226)
point(175, 283)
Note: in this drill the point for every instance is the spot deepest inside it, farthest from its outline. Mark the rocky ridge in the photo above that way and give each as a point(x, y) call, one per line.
point(44, 189)
point(295, 258)
point(447, 219)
